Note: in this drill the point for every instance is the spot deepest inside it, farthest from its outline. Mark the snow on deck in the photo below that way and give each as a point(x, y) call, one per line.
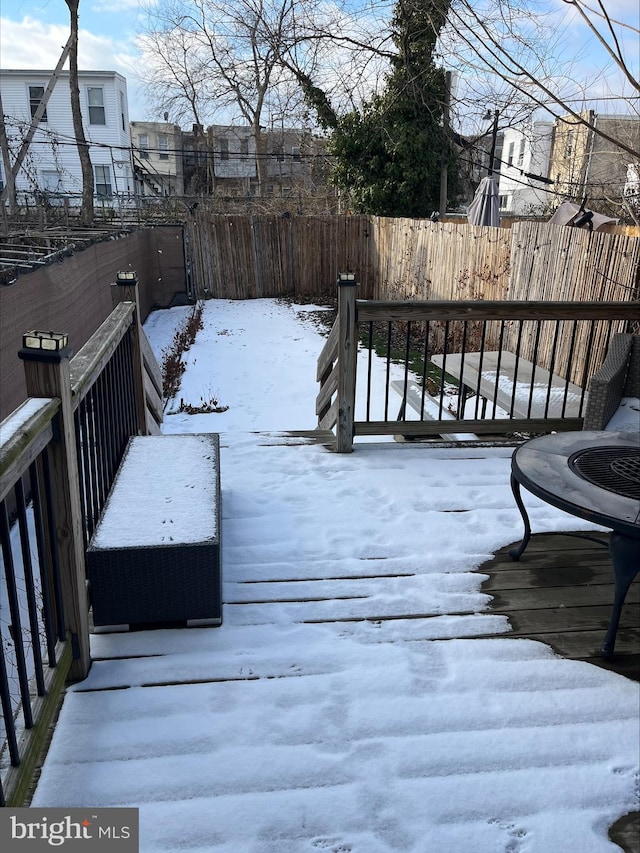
point(164, 492)
point(348, 704)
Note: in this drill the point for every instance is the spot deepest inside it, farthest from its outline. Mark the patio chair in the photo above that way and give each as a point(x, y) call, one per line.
point(618, 377)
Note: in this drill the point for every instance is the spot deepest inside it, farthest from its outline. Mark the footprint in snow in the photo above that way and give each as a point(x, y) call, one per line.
point(333, 845)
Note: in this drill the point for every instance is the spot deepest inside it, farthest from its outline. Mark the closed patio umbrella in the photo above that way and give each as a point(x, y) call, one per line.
point(485, 207)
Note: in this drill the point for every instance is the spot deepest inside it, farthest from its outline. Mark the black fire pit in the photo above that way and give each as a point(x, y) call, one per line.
point(593, 475)
point(616, 469)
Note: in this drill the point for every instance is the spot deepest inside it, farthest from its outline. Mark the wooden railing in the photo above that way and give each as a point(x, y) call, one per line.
point(468, 368)
point(59, 453)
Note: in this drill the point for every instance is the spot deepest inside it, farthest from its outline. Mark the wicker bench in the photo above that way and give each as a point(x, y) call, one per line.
point(154, 557)
point(618, 377)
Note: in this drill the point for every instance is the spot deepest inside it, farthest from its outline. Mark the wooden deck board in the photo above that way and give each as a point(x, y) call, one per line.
point(560, 593)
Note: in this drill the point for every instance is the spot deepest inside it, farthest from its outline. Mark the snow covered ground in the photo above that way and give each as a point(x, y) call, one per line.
point(349, 702)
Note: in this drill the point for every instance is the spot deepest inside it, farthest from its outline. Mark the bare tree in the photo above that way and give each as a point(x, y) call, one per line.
point(522, 45)
point(86, 211)
point(213, 60)
point(235, 58)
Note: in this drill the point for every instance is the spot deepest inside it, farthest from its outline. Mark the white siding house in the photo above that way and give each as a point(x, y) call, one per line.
point(525, 153)
point(52, 167)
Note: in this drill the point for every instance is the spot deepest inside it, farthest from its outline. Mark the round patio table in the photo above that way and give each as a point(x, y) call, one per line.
point(592, 475)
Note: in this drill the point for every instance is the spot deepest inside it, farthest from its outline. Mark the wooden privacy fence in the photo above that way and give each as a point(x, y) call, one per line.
point(241, 257)
point(59, 452)
point(247, 257)
point(466, 368)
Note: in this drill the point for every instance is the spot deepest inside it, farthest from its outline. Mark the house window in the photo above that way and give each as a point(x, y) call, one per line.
point(512, 146)
point(122, 111)
point(521, 153)
point(279, 153)
point(103, 181)
point(224, 149)
point(244, 146)
point(504, 201)
point(568, 145)
point(295, 152)
point(36, 94)
point(163, 146)
point(51, 181)
point(95, 98)
point(143, 145)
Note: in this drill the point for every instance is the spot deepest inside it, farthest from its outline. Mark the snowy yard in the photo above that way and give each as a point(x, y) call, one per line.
point(348, 703)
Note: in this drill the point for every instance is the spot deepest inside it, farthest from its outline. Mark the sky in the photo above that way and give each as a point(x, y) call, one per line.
point(33, 32)
point(349, 702)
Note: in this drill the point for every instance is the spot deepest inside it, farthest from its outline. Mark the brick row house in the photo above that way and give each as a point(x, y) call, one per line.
point(228, 160)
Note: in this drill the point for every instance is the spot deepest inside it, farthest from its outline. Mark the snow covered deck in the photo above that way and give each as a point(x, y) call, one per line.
point(362, 694)
point(365, 693)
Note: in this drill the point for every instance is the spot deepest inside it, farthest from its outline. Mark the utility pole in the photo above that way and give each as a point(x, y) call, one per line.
point(445, 126)
point(494, 136)
point(9, 191)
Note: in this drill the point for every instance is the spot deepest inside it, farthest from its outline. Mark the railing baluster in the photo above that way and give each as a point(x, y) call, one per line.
point(425, 368)
point(117, 399)
point(514, 390)
point(407, 355)
point(45, 586)
point(127, 426)
point(388, 371)
point(369, 368)
point(445, 351)
point(483, 339)
point(130, 391)
point(108, 430)
point(15, 627)
point(462, 393)
point(102, 446)
point(30, 593)
point(78, 422)
point(52, 528)
point(5, 694)
point(587, 363)
point(498, 366)
point(552, 366)
point(534, 359)
point(569, 366)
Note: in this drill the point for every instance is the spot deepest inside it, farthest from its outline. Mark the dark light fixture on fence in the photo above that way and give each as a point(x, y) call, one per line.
point(585, 219)
point(45, 341)
point(126, 277)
